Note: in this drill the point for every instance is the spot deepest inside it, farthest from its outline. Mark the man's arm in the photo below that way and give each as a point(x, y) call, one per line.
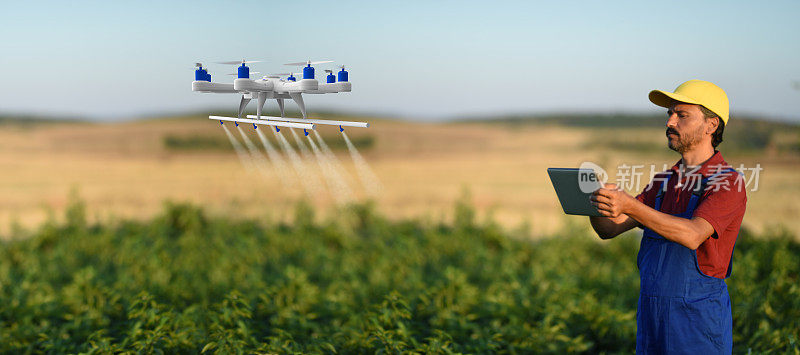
point(687, 232)
point(610, 227)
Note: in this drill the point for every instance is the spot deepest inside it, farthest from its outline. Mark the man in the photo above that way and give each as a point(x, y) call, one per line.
point(691, 216)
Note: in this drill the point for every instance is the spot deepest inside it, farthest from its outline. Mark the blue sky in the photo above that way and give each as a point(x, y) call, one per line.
point(422, 60)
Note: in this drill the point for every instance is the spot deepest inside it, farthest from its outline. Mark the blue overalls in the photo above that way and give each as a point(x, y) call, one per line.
point(681, 310)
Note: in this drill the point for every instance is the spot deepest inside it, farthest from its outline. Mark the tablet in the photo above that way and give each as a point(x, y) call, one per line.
point(574, 188)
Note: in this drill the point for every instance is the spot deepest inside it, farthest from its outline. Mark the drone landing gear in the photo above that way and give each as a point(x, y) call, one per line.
point(280, 105)
point(242, 105)
point(298, 98)
point(262, 97)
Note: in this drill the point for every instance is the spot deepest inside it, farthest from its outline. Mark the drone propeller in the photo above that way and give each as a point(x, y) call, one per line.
point(198, 65)
point(329, 71)
point(309, 63)
point(236, 62)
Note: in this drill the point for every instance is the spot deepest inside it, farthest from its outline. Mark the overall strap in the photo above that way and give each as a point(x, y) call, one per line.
point(660, 194)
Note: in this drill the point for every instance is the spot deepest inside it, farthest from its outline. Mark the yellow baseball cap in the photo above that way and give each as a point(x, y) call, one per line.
point(696, 92)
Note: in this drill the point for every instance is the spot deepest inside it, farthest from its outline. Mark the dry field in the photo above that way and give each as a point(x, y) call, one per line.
point(125, 170)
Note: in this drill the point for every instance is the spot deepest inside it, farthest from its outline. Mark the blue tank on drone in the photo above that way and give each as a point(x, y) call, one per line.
point(342, 75)
point(308, 72)
point(201, 75)
point(243, 72)
point(331, 78)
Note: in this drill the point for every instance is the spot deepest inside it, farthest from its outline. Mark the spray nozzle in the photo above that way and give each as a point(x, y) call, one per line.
point(277, 129)
point(341, 129)
point(237, 123)
point(254, 126)
point(220, 122)
point(305, 132)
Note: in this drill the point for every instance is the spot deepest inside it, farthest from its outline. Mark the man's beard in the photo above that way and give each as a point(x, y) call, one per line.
point(684, 142)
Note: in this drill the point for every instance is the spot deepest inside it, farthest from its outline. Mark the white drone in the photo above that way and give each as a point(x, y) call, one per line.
point(274, 87)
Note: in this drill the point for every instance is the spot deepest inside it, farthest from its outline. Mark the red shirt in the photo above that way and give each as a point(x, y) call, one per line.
point(722, 205)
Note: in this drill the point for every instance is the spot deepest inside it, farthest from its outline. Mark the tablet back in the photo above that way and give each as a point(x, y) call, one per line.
point(574, 188)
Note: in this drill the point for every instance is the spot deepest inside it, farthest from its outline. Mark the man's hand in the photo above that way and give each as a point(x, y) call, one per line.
point(611, 201)
point(624, 212)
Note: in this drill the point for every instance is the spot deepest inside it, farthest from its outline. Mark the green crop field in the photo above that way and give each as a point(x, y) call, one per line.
point(188, 282)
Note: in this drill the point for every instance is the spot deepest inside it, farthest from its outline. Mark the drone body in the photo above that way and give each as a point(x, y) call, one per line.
point(274, 86)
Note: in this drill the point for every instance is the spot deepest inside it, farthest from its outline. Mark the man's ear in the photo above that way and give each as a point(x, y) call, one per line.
point(714, 124)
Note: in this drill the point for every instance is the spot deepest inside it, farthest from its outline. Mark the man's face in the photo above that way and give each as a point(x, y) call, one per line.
point(686, 127)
